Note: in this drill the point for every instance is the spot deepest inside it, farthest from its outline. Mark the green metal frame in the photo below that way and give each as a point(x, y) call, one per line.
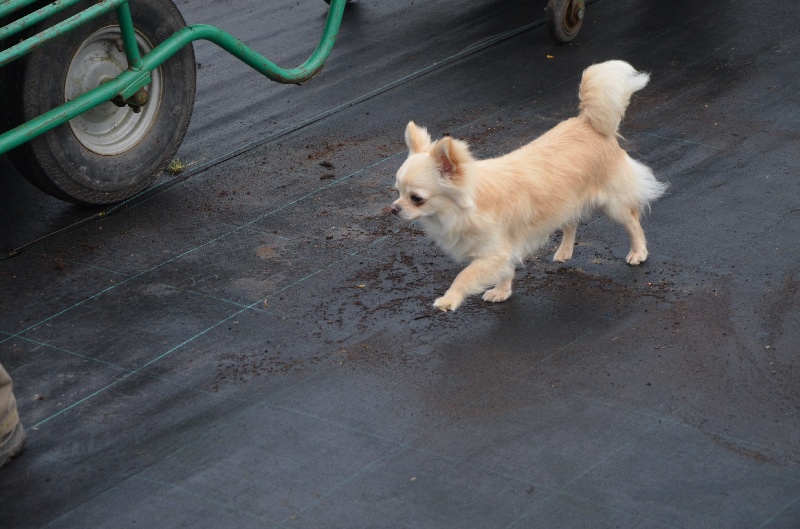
point(139, 67)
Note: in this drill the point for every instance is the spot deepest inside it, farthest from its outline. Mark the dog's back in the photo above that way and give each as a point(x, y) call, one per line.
point(572, 169)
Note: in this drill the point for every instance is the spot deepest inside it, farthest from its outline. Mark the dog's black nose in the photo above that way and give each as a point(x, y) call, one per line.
point(395, 209)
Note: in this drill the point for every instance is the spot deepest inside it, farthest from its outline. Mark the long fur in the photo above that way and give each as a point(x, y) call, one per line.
point(493, 213)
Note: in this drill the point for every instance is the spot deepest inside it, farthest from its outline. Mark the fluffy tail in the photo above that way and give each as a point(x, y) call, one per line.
point(605, 92)
point(645, 187)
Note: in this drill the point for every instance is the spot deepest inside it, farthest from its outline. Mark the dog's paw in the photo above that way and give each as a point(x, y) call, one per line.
point(562, 255)
point(497, 294)
point(448, 303)
point(636, 258)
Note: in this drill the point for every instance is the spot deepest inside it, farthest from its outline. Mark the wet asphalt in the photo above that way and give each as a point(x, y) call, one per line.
point(252, 344)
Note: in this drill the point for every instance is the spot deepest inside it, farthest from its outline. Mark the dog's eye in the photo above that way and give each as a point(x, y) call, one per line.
point(416, 199)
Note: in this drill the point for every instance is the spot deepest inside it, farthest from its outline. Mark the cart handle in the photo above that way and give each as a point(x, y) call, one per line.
point(138, 75)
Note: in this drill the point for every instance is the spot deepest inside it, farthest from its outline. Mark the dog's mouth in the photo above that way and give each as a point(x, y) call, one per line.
point(405, 213)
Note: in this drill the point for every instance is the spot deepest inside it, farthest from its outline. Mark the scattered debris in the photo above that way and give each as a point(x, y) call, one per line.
point(176, 167)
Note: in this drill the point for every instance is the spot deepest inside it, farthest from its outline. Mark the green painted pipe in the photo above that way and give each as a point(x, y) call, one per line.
point(34, 18)
point(9, 6)
point(129, 36)
point(29, 44)
point(134, 78)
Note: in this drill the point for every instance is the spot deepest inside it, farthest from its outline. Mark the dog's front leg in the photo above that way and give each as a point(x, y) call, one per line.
point(477, 277)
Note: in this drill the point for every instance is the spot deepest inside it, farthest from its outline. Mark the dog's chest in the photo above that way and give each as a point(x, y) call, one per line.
point(461, 242)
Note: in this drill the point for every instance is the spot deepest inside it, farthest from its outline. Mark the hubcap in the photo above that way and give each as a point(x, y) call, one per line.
point(574, 15)
point(108, 129)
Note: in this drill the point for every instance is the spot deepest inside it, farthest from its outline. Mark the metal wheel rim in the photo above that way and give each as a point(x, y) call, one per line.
point(108, 129)
point(573, 16)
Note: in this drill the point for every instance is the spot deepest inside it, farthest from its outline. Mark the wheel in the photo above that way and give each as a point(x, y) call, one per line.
point(564, 19)
point(111, 152)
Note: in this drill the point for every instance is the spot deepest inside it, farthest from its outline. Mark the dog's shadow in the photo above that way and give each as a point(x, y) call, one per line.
point(549, 315)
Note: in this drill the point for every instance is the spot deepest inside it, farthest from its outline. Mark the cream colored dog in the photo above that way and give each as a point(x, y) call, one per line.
point(493, 213)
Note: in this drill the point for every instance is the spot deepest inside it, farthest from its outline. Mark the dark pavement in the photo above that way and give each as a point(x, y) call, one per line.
point(252, 344)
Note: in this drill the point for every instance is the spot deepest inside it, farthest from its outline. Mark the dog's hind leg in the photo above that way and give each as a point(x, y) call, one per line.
point(564, 252)
point(629, 218)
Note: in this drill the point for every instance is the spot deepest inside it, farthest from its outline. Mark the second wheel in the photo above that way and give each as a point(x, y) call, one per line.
point(564, 19)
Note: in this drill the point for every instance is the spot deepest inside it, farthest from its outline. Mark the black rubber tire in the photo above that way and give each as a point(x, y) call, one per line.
point(56, 162)
point(563, 20)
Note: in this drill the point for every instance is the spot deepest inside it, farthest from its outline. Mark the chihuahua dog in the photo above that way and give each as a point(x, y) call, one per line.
point(495, 212)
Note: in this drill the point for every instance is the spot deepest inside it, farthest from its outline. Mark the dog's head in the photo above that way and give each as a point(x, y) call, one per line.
point(433, 180)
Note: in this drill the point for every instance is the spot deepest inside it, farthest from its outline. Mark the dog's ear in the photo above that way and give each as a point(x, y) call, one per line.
point(443, 158)
point(417, 138)
point(450, 155)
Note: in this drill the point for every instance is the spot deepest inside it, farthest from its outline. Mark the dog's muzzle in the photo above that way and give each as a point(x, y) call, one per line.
point(396, 209)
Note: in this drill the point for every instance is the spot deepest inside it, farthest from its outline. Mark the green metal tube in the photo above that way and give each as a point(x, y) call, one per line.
point(134, 78)
point(69, 24)
point(225, 40)
point(128, 35)
point(9, 6)
point(34, 18)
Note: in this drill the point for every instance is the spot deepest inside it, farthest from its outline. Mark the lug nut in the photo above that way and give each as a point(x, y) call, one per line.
point(140, 97)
